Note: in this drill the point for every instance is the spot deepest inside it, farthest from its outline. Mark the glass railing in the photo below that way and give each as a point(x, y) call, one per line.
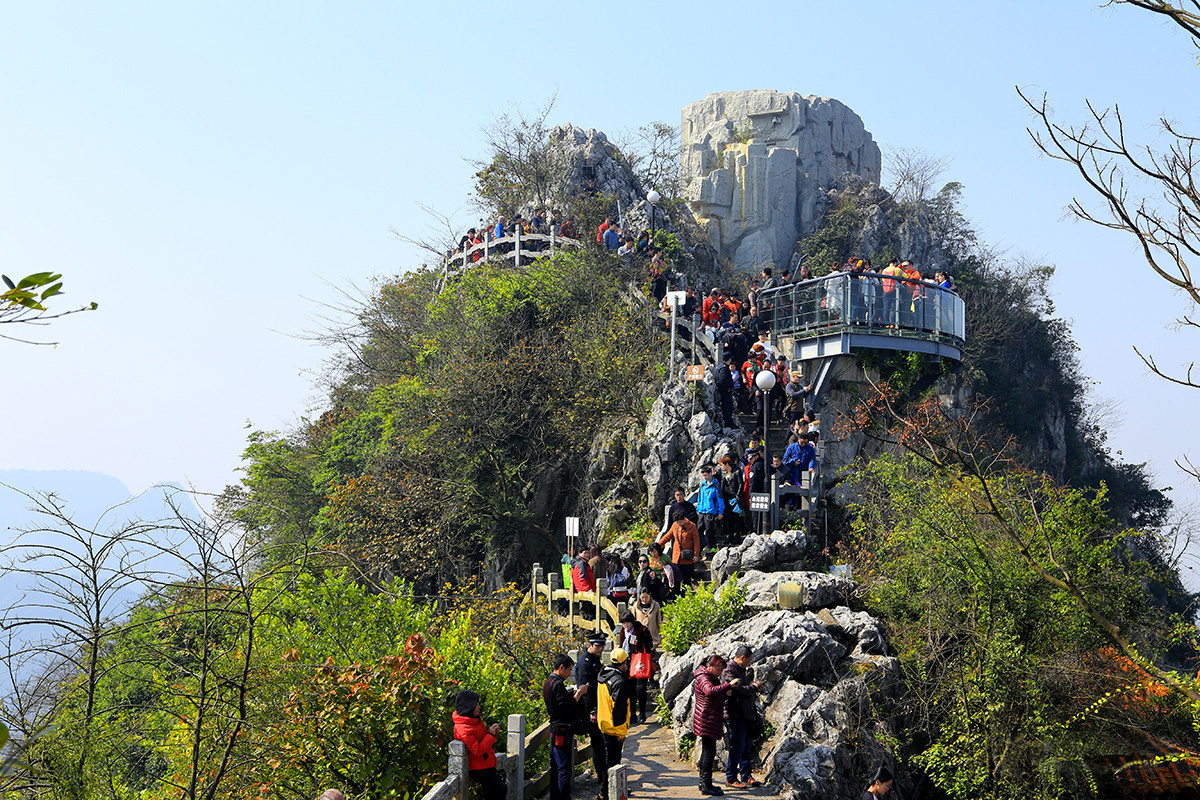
point(864, 302)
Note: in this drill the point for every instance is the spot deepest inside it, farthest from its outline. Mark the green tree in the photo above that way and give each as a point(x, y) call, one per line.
point(23, 301)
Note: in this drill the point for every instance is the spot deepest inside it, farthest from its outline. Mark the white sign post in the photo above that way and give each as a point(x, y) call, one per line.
point(572, 549)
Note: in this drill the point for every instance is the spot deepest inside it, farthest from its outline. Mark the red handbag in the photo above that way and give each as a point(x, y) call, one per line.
point(642, 665)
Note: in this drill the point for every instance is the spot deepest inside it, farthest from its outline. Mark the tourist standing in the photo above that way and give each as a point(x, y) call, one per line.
point(562, 709)
point(613, 712)
point(587, 672)
point(743, 719)
point(709, 708)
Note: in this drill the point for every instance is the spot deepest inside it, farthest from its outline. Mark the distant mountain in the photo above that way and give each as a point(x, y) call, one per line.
point(86, 496)
point(91, 500)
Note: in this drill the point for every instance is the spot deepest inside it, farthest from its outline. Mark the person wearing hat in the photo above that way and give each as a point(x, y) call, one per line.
point(796, 392)
point(708, 716)
point(587, 671)
point(613, 708)
point(480, 741)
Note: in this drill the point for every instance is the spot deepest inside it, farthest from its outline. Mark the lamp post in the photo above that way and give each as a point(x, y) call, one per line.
point(652, 197)
point(765, 381)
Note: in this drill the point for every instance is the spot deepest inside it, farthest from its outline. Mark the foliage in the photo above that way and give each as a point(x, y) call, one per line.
point(25, 292)
point(1000, 588)
point(523, 634)
point(652, 152)
point(671, 247)
point(523, 163)
point(702, 611)
point(641, 530)
point(836, 239)
point(378, 731)
point(447, 415)
point(23, 301)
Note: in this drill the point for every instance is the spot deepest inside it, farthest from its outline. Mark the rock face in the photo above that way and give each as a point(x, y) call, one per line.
point(827, 679)
point(782, 550)
point(756, 165)
point(684, 434)
point(588, 155)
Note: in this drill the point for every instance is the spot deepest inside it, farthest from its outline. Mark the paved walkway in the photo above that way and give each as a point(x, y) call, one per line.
point(656, 771)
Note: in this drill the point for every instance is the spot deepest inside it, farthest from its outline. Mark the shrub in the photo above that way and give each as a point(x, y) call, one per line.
point(705, 610)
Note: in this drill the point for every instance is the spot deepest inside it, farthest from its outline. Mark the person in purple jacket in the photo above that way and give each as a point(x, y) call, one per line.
point(708, 717)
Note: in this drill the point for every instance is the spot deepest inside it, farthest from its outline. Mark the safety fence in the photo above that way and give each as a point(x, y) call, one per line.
point(588, 611)
point(885, 304)
point(520, 749)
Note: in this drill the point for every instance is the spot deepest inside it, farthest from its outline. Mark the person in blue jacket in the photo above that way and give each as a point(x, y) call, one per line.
point(799, 456)
point(711, 508)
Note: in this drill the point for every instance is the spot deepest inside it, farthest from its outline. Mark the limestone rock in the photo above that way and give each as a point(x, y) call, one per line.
point(781, 549)
point(821, 696)
point(817, 589)
point(756, 164)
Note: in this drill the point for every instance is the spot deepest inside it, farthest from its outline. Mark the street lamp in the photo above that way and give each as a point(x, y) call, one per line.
point(765, 381)
point(652, 197)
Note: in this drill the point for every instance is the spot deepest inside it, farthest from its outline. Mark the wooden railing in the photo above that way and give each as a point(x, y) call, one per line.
point(549, 589)
point(519, 750)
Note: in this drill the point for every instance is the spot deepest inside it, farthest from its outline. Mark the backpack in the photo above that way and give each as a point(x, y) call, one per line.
point(605, 705)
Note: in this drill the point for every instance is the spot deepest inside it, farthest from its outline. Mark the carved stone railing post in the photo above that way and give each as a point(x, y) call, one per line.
point(458, 768)
point(516, 752)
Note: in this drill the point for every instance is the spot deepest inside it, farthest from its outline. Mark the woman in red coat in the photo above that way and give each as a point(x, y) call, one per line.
point(708, 717)
point(480, 741)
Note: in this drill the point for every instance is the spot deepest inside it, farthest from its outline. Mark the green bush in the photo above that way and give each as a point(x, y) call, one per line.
point(705, 610)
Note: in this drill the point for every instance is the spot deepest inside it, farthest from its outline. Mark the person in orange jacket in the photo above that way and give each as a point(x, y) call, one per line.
point(686, 549)
point(480, 741)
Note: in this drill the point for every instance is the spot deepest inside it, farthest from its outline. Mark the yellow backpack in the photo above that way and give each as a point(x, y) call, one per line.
point(604, 712)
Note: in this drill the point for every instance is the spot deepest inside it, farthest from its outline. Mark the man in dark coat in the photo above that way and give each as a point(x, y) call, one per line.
point(724, 381)
point(743, 719)
point(707, 717)
point(587, 672)
point(562, 707)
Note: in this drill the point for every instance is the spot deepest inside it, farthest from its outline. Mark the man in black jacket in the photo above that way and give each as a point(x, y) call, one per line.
point(562, 707)
point(587, 671)
point(742, 717)
point(724, 381)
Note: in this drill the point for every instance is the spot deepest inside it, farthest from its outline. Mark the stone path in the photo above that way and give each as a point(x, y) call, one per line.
point(656, 771)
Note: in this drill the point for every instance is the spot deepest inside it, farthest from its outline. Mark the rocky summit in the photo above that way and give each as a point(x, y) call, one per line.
point(757, 164)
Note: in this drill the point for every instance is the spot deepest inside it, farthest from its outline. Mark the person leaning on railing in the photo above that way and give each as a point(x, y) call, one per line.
point(480, 741)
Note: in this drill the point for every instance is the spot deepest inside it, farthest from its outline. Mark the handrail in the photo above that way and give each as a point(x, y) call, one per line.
point(868, 301)
point(548, 587)
point(519, 749)
point(506, 247)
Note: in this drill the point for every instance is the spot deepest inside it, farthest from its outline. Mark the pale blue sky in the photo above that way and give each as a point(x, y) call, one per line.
point(209, 172)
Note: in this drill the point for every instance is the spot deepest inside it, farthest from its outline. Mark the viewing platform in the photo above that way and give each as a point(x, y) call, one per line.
point(844, 313)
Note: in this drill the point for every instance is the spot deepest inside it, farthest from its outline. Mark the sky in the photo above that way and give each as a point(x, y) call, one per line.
point(216, 175)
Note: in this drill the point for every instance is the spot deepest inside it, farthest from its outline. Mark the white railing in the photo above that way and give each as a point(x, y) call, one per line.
point(511, 764)
point(519, 248)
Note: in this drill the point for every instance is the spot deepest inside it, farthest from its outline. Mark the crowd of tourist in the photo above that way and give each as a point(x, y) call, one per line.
point(603, 701)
